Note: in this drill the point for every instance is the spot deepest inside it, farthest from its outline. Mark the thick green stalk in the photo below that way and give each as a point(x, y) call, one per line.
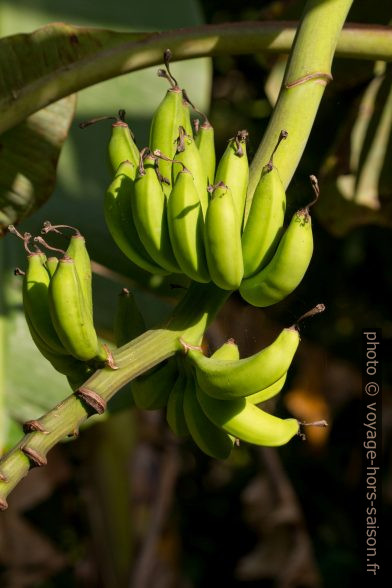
point(308, 72)
point(115, 54)
point(188, 322)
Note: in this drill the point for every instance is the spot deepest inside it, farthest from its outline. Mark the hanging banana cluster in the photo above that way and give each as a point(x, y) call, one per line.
point(213, 399)
point(170, 211)
point(57, 301)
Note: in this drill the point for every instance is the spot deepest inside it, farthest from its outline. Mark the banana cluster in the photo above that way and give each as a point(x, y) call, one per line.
point(170, 209)
point(57, 301)
point(213, 399)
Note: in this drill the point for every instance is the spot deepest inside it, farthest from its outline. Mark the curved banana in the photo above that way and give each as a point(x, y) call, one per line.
point(264, 226)
point(36, 303)
point(121, 146)
point(149, 208)
point(225, 379)
point(287, 267)
point(188, 155)
point(205, 143)
point(70, 316)
point(233, 170)
point(186, 228)
point(268, 392)
point(247, 422)
point(119, 219)
point(175, 406)
point(229, 351)
point(152, 389)
point(222, 238)
point(211, 439)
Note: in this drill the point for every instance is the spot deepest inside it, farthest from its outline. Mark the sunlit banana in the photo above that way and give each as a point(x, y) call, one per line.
point(51, 265)
point(169, 115)
point(222, 238)
point(186, 228)
point(211, 439)
point(77, 250)
point(36, 303)
point(264, 226)
point(188, 155)
point(121, 145)
point(225, 379)
point(229, 351)
point(149, 208)
point(247, 422)
point(205, 142)
point(175, 406)
point(287, 267)
point(119, 219)
point(70, 316)
point(233, 170)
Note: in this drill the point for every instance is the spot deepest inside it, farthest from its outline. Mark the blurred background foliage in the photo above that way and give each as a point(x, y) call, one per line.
point(126, 504)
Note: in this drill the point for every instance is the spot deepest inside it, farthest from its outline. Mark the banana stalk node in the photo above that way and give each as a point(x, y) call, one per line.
point(34, 425)
point(92, 398)
point(36, 458)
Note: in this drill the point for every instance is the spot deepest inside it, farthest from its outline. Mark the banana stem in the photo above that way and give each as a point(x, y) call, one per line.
point(307, 73)
point(126, 52)
point(189, 320)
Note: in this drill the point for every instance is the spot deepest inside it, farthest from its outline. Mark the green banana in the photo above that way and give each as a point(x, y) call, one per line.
point(247, 422)
point(152, 389)
point(122, 146)
point(287, 267)
point(169, 115)
point(222, 238)
point(51, 265)
point(268, 392)
point(205, 143)
point(264, 226)
point(36, 285)
point(225, 379)
point(233, 170)
point(188, 155)
point(186, 228)
point(208, 437)
point(70, 316)
point(119, 219)
point(175, 406)
point(229, 351)
point(149, 208)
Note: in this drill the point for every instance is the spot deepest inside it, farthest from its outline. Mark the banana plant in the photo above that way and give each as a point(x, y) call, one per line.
point(307, 73)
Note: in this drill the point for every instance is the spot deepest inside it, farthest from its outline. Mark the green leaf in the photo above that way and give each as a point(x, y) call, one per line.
point(28, 160)
point(356, 177)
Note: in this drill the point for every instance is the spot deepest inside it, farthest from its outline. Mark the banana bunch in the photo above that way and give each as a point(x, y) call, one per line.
point(57, 301)
point(170, 209)
point(213, 399)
